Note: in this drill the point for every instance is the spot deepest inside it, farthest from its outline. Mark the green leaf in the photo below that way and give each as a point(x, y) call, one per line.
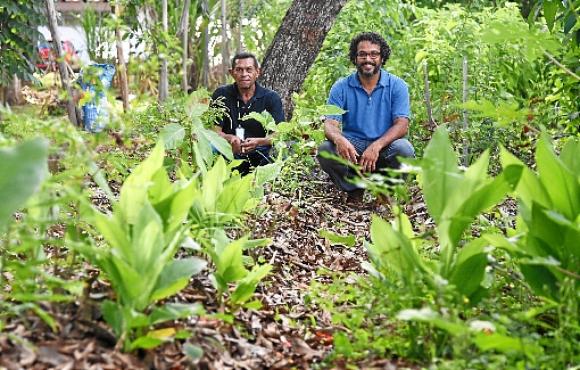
point(134, 190)
point(335, 239)
point(192, 351)
point(22, 170)
point(218, 142)
point(175, 277)
point(113, 315)
point(469, 269)
point(440, 173)
point(174, 311)
point(330, 110)
point(172, 135)
point(550, 10)
point(560, 183)
point(247, 286)
point(145, 342)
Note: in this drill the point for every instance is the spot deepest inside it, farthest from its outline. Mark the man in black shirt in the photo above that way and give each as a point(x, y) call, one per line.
point(248, 138)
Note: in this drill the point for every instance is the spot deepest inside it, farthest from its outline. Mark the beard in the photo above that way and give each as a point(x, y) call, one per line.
point(367, 73)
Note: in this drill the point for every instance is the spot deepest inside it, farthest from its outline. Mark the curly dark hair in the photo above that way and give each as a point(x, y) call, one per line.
point(374, 38)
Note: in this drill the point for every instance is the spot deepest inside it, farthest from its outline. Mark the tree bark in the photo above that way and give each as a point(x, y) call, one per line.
point(296, 45)
point(163, 74)
point(53, 25)
point(121, 66)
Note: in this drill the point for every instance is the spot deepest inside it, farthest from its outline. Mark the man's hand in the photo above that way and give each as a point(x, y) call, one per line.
point(251, 143)
point(235, 142)
point(368, 160)
point(346, 150)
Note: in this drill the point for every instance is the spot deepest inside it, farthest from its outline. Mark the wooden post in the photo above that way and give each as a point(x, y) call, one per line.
point(465, 94)
point(432, 123)
point(121, 67)
point(225, 44)
point(163, 74)
point(53, 25)
point(205, 62)
point(185, 43)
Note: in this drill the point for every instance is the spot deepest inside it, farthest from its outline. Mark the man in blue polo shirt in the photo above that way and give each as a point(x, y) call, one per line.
point(248, 138)
point(376, 118)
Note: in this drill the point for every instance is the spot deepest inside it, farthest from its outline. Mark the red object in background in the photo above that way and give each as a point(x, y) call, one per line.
point(47, 54)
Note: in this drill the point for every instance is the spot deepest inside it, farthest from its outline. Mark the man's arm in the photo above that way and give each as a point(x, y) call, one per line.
point(399, 129)
point(344, 148)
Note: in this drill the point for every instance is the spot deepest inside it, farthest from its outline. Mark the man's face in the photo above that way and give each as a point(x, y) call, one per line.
point(245, 73)
point(368, 58)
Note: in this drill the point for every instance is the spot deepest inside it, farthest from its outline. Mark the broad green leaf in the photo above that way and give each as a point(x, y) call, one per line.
point(174, 311)
point(427, 315)
point(265, 118)
point(469, 269)
point(335, 239)
point(503, 343)
point(561, 184)
point(440, 173)
point(550, 9)
point(267, 173)
point(393, 250)
point(172, 135)
point(528, 187)
point(213, 184)
point(113, 315)
point(218, 142)
point(247, 286)
point(175, 277)
point(145, 342)
point(134, 190)
point(22, 170)
point(570, 156)
point(229, 264)
point(329, 110)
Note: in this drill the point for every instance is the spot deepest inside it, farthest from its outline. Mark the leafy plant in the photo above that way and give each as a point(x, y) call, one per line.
point(230, 267)
point(143, 234)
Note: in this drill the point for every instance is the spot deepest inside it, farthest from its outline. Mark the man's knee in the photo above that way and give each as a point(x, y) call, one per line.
point(326, 147)
point(402, 148)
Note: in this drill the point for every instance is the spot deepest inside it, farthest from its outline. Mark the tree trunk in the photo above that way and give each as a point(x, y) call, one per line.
point(53, 25)
point(121, 66)
point(185, 43)
point(296, 46)
point(225, 44)
point(240, 47)
point(163, 74)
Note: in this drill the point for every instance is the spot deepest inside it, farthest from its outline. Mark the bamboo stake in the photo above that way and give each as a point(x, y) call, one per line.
point(53, 25)
point(163, 73)
point(205, 63)
point(432, 123)
point(121, 67)
point(465, 92)
point(185, 43)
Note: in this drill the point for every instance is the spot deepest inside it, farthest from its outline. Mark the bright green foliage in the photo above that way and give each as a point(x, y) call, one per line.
point(549, 229)
point(22, 170)
point(143, 235)
point(19, 36)
point(454, 198)
point(228, 258)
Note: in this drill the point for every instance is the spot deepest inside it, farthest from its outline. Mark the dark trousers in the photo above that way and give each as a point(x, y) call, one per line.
point(258, 157)
point(342, 175)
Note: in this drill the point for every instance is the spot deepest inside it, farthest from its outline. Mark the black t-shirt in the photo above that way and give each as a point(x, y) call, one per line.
point(263, 100)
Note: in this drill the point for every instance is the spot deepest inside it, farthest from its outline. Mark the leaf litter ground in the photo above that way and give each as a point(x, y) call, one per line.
point(284, 333)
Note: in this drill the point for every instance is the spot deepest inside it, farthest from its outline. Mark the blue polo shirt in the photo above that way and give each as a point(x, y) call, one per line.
point(367, 116)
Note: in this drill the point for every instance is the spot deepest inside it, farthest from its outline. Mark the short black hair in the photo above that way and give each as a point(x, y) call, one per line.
point(373, 38)
point(245, 55)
